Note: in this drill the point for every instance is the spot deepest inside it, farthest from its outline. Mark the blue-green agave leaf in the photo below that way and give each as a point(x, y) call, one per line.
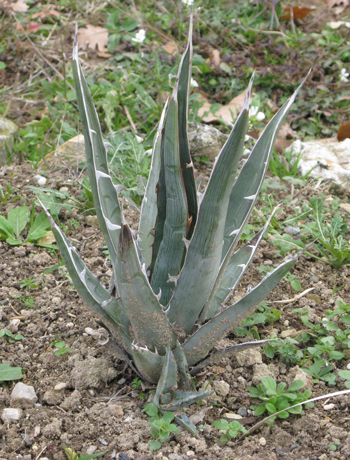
point(89, 287)
point(204, 252)
point(149, 203)
point(103, 190)
point(149, 363)
point(184, 78)
point(150, 325)
point(178, 399)
point(237, 266)
point(247, 186)
point(168, 376)
point(198, 346)
point(171, 249)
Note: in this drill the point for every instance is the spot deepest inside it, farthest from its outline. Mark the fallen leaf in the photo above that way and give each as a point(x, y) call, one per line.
point(336, 24)
point(234, 106)
point(171, 48)
point(48, 238)
point(299, 12)
point(93, 37)
point(20, 6)
point(287, 132)
point(343, 132)
point(43, 14)
point(338, 6)
point(31, 27)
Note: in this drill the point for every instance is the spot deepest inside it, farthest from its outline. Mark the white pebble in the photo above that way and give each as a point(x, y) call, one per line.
point(262, 441)
point(329, 406)
point(348, 366)
point(11, 415)
point(41, 180)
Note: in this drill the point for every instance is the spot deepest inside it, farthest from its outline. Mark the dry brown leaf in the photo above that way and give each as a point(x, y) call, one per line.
point(20, 6)
point(93, 37)
point(336, 24)
point(299, 12)
point(171, 48)
point(343, 132)
point(338, 6)
point(286, 132)
point(45, 13)
point(31, 27)
point(234, 106)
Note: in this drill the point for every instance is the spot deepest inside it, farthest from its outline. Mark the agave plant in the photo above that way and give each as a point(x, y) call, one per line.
point(166, 303)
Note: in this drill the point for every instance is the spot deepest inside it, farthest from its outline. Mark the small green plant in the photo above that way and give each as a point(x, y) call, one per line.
point(263, 314)
point(285, 166)
point(71, 455)
point(161, 425)
point(276, 398)
point(5, 195)
point(334, 446)
point(62, 349)
point(10, 336)
point(30, 283)
point(231, 429)
point(287, 349)
point(9, 373)
point(320, 369)
point(17, 219)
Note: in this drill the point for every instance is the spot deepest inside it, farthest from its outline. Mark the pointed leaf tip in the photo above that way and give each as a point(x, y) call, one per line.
point(75, 44)
point(248, 95)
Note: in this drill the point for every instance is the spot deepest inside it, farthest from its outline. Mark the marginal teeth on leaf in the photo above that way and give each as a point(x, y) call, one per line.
point(159, 295)
point(251, 197)
point(108, 145)
point(242, 265)
point(186, 241)
point(234, 232)
point(189, 165)
point(173, 279)
point(92, 131)
point(112, 226)
point(144, 200)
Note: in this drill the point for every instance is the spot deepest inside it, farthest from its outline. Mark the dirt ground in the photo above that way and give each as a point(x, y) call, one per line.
point(85, 397)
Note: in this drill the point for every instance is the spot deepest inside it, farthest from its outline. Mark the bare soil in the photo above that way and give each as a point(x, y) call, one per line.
point(96, 406)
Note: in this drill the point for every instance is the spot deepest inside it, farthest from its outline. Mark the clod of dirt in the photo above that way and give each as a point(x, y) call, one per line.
point(91, 373)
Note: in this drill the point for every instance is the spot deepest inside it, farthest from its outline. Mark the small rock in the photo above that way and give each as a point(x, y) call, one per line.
point(102, 441)
point(56, 300)
point(116, 410)
point(23, 394)
point(27, 440)
point(314, 297)
point(242, 411)
point(37, 431)
point(232, 416)
point(53, 429)
point(11, 415)
point(190, 453)
point(91, 450)
point(296, 373)
point(72, 401)
point(329, 406)
point(205, 140)
point(263, 370)
point(41, 180)
point(314, 279)
point(293, 231)
point(60, 386)
point(221, 388)
point(249, 357)
point(92, 392)
point(91, 221)
point(262, 441)
point(91, 373)
point(53, 398)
